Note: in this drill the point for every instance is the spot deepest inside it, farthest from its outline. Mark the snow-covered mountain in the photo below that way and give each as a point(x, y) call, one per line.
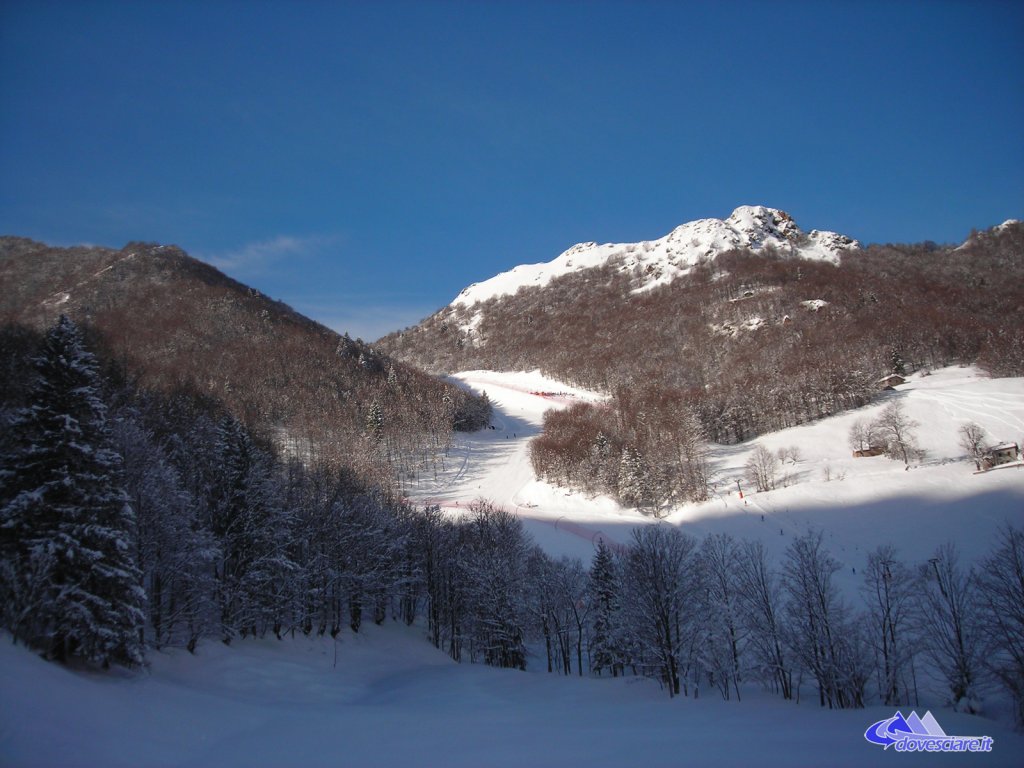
point(753, 227)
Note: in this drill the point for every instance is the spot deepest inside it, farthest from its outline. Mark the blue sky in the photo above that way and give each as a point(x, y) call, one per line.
point(363, 162)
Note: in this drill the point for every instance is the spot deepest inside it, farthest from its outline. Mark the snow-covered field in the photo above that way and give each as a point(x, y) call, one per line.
point(387, 698)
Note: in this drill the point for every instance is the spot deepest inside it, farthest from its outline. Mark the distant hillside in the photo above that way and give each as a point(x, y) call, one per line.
point(738, 343)
point(174, 322)
point(744, 322)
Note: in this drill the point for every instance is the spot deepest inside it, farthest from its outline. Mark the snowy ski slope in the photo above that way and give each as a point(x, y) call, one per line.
point(858, 503)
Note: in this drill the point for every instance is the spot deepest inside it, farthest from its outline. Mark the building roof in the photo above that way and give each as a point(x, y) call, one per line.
point(1003, 447)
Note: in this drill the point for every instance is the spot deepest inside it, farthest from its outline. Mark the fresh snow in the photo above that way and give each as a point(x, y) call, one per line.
point(386, 697)
point(660, 261)
point(814, 304)
point(859, 504)
point(494, 464)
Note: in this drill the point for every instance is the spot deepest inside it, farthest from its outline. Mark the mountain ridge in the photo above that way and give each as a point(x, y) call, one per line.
point(747, 342)
point(173, 323)
point(754, 227)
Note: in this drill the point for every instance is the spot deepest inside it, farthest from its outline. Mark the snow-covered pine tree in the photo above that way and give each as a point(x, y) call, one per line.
point(606, 643)
point(375, 421)
point(70, 582)
point(253, 531)
point(634, 479)
point(896, 363)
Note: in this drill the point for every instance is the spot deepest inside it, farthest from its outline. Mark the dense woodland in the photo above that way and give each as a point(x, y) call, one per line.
point(130, 519)
point(745, 344)
point(177, 325)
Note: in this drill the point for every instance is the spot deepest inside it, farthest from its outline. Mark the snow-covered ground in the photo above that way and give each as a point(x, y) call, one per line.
point(494, 464)
point(858, 503)
point(387, 698)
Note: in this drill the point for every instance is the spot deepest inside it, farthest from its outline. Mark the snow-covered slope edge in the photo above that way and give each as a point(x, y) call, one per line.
point(750, 226)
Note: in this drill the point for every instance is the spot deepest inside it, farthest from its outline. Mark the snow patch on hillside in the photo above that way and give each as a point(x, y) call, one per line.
point(658, 262)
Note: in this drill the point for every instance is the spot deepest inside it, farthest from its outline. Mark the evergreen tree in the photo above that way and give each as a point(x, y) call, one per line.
point(896, 363)
point(634, 479)
point(606, 646)
point(254, 534)
point(70, 582)
point(375, 421)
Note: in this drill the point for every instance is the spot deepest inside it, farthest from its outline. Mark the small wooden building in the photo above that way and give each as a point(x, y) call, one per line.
point(874, 450)
point(890, 381)
point(999, 454)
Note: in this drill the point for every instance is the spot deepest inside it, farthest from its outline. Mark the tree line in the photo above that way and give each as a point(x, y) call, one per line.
point(129, 520)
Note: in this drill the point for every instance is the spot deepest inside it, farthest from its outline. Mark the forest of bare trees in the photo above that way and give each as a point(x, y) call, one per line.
point(176, 325)
point(683, 363)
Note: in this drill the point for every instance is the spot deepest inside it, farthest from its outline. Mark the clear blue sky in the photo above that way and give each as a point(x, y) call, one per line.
point(363, 162)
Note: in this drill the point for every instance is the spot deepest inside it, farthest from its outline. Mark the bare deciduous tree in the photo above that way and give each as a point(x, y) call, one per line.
point(725, 634)
point(863, 435)
point(896, 429)
point(760, 594)
point(826, 639)
point(791, 453)
point(972, 440)
point(761, 468)
point(660, 579)
point(948, 616)
point(1000, 585)
point(889, 588)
